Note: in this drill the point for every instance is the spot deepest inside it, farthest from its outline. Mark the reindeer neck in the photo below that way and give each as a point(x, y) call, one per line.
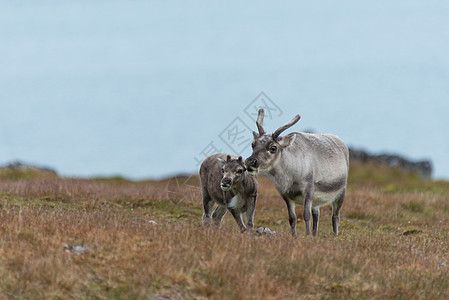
point(246, 186)
point(239, 187)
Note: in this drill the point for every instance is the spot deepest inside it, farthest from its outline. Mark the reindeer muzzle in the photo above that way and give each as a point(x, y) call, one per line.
point(225, 183)
point(252, 166)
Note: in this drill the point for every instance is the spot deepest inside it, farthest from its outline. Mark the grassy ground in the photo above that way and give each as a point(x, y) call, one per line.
point(393, 244)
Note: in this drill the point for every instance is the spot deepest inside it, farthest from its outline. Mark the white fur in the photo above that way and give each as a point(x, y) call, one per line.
point(236, 202)
point(320, 198)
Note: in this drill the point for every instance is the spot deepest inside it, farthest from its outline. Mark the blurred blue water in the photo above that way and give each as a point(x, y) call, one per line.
point(139, 88)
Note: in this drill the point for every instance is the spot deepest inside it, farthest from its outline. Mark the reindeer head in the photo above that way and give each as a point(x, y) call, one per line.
point(267, 148)
point(233, 172)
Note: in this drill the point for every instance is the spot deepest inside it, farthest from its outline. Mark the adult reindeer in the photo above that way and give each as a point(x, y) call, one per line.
point(308, 169)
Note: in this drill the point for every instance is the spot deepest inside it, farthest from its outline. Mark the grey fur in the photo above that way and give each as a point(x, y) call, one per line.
point(308, 169)
point(222, 184)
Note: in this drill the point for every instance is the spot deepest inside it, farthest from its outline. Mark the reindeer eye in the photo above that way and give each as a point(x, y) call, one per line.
point(222, 170)
point(273, 149)
point(253, 144)
point(240, 171)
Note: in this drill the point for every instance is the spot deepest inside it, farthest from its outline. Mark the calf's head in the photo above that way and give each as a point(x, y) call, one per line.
point(233, 172)
point(267, 148)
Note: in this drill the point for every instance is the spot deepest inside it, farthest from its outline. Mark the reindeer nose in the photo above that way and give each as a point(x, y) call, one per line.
point(251, 162)
point(226, 180)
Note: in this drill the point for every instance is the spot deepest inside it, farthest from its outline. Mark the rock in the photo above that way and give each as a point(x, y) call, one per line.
point(78, 249)
point(265, 231)
point(23, 167)
point(423, 168)
point(163, 297)
point(443, 265)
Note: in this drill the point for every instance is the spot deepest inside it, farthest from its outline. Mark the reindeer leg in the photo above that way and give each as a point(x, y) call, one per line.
point(308, 198)
point(218, 215)
point(250, 214)
point(238, 218)
point(316, 219)
point(336, 206)
point(208, 204)
point(291, 214)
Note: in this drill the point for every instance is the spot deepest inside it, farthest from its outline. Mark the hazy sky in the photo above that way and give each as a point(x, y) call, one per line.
point(142, 88)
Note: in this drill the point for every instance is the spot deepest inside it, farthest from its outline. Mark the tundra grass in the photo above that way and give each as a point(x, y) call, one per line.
point(144, 240)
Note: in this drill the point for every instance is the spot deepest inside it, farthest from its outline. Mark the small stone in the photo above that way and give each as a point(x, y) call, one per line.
point(152, 222)
point(78, 249)
point(443, 265)
point(265, 231)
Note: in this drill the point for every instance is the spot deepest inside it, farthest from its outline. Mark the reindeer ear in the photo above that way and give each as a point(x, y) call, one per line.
point(221, 162)
point(287, 140)
point(228, 158)
point(255, 135)
point(240, 159)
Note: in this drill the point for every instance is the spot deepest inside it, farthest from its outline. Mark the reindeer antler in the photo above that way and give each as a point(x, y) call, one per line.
point(286, 126)
point(259, 121)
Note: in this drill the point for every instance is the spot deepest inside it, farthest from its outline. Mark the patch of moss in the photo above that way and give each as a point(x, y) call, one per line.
point(13, 174)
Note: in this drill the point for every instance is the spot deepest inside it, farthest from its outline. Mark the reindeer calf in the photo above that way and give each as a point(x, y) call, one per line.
point(224, 181)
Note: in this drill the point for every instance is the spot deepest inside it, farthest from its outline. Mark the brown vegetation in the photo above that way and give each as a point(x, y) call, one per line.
point(393, 244)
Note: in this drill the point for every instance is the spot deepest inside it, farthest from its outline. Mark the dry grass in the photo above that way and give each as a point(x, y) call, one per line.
point(393, 244)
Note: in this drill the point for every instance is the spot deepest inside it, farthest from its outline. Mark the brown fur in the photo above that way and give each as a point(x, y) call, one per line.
point(222, 184)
